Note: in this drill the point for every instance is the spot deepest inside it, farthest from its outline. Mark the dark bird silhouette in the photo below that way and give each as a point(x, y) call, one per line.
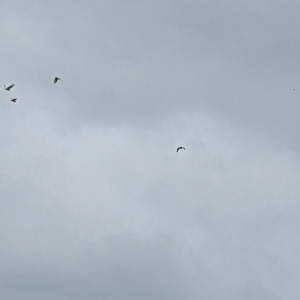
point(14, 100)
point(9, 87)
point(179, 148)
point(56, 79)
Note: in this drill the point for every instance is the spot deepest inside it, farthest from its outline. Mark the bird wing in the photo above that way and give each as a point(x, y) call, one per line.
point(179, 148)
point(9, 87)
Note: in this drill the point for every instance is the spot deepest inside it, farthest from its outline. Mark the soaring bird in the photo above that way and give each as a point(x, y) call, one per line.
point(9, 87)
point(179, 148)
point(56, 79)
point(13, 100)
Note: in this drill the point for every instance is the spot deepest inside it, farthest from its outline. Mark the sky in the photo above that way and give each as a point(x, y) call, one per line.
point(95, 203)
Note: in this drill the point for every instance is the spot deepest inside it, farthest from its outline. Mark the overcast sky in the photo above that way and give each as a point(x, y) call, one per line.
point(94, 201)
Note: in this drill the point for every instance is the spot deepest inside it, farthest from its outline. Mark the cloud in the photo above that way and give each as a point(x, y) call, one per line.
point(108, 213)
point(94, 200)
point(137, 63)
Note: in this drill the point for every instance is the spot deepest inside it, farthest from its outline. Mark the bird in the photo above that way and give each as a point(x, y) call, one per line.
point(56, 79)
point(179, 148)
point(9, 87)
point(13, 100)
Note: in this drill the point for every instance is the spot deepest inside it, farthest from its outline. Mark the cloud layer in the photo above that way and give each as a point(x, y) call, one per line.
point(94, 200)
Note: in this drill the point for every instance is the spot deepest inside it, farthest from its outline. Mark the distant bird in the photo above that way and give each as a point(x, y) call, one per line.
point(14, 100)
point(9, 87)
point(56, 79)
point(179, 148)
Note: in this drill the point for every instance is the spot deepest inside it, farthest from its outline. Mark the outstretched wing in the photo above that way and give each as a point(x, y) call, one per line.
point(9, 87)
point(56, 79)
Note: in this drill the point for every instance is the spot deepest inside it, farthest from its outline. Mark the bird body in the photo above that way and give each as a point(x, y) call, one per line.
point(9, 87)
point(56, 79)
point(14, 100)
point(179, 148)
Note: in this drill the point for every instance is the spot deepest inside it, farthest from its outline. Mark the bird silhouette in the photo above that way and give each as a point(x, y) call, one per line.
point(9, 87)
point(179, 148)
point(56, 79)
point(14, 100)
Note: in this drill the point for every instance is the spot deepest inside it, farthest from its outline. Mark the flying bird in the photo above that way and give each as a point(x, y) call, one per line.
point(56, 79)
point(14, 100)
point(9, 87)
point(179, 148)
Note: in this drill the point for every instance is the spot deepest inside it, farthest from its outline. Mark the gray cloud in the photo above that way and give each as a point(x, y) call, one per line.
point(94, 200)
point(137, 62)
point(137, 222)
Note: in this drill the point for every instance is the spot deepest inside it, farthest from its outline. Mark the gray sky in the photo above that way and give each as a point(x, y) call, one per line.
point(94, 201)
